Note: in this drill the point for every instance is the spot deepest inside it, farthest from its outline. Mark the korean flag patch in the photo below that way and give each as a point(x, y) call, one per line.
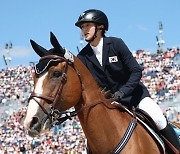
point(113, 59)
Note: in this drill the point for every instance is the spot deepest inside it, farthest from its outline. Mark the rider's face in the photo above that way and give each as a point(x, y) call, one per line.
point(88, 30)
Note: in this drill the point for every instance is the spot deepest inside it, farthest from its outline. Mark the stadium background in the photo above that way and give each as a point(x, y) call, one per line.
point(161, 69)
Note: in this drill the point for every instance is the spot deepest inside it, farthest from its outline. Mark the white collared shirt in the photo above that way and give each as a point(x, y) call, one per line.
point(98, 51)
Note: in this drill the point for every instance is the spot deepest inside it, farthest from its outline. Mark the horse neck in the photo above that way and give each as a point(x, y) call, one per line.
point(103, 127)
point(91, 92)
point(99, 117)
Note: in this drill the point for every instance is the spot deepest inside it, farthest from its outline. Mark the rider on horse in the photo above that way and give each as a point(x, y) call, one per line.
point(114, 67)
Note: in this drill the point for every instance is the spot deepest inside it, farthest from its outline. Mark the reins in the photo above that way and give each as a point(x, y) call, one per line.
point(54, 113)
point(55, 116)
point(84, 107)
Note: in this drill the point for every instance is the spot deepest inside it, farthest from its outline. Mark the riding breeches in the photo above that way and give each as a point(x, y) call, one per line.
point(154, 111)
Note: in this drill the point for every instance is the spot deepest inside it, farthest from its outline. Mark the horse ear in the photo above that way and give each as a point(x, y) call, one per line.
point(38, 49)
point(55, 42)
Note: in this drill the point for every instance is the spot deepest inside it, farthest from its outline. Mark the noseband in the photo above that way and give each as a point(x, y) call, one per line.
point(54, 114)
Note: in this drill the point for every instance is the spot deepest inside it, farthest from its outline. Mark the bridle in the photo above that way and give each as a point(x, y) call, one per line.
point(54, 115)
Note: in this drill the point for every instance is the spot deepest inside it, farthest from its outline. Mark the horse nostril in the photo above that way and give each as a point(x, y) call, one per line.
point(34, 121)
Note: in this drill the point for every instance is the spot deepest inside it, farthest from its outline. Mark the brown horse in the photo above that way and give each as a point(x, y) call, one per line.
point(176, 124)
point(62, 82)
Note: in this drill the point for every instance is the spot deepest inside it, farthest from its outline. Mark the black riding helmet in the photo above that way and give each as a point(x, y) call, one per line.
point(95, 16)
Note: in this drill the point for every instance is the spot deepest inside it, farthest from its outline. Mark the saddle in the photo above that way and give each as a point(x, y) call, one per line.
point(150, 122)
point(144, 116)
point(149, 125)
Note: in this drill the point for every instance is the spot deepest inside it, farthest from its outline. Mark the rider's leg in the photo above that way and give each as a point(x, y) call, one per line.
point(148, 105)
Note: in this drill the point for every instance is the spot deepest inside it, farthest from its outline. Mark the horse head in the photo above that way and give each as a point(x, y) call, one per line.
point(57, 87)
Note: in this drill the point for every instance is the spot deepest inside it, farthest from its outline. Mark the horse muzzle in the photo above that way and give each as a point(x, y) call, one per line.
point(37, 126)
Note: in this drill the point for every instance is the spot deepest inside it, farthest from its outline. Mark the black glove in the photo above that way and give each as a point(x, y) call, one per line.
point(118, 95)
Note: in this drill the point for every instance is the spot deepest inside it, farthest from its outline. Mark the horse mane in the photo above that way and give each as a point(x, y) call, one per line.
point(89, 84)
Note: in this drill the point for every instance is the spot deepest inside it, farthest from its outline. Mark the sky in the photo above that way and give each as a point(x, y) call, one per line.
point(135, 21)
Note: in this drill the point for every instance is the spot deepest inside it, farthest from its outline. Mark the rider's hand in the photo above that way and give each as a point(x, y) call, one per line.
point(118, 94)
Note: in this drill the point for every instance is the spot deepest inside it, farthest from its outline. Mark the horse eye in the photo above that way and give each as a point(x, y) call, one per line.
point(57, 74)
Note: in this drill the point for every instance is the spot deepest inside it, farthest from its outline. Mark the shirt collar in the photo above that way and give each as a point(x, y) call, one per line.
point(99, 46)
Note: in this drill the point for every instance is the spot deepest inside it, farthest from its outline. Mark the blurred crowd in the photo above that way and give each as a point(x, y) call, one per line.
point(15, 83)
point(66, 139)
point(161, 75)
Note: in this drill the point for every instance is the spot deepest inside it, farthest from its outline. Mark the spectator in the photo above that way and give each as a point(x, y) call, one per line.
point(178, 117)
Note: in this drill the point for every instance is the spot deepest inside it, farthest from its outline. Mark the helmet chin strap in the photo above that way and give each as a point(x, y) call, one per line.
point(94, 36)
